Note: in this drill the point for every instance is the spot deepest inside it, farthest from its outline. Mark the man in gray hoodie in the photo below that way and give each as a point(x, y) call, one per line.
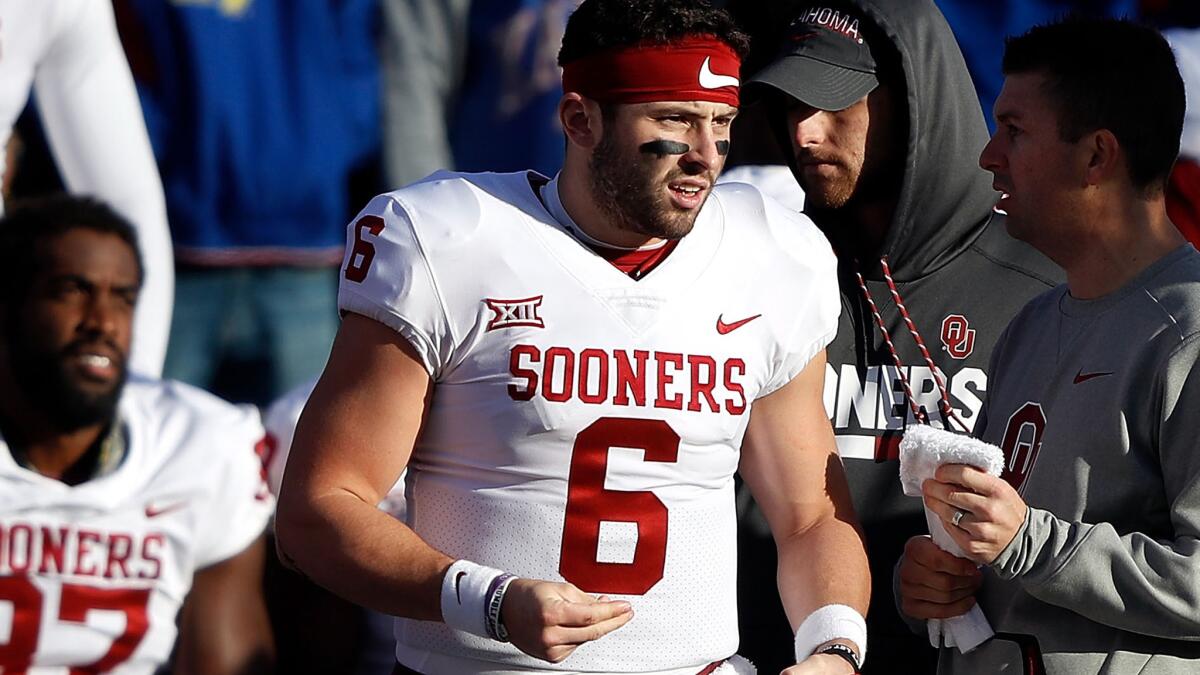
point(875, 110)
point(1089, 540)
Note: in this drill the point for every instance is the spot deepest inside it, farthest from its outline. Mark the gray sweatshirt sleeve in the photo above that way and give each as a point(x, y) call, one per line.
point(1133, 581)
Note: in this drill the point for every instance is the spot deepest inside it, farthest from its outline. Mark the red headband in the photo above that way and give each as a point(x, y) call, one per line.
point(697, 68)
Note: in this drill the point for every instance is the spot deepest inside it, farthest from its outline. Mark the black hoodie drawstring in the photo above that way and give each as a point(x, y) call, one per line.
point(920, 415)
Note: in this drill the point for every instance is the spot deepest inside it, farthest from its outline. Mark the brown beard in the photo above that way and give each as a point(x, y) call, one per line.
point(623, 188)
point(834, 195)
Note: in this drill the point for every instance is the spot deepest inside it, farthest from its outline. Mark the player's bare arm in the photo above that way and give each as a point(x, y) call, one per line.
point(790, 462)
point(224, 628)
point(352, 442)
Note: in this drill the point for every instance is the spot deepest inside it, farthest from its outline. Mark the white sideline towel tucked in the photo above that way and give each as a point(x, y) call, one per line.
point(736, 665)
point(922, 450)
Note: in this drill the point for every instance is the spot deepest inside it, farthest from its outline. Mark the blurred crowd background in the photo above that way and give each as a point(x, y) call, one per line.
point(273, 121)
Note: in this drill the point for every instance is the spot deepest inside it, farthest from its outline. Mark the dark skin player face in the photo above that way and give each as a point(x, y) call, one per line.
point(80, 307)
point(65, 350)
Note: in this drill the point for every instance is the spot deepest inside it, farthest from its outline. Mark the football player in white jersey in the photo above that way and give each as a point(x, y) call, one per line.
point(567, 369)
point(123, 505)
point(69, 54)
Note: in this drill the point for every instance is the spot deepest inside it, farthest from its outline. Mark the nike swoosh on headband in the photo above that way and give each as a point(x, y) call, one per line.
point(710, 80)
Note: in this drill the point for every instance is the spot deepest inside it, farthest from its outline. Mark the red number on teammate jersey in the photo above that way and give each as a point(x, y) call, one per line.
point(17, 654)
point(265, 449)
point(77, 601)
point(589, 503)
point(74, 605)
point(364, 251)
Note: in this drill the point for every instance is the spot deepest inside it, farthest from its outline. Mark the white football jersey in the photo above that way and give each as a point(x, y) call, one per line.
point(774, 180)
point(92, 576)
point(586, 426)
point(69, 53)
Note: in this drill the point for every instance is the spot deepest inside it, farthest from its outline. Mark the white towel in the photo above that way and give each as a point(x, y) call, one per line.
point(922, 451)
point(736, 665)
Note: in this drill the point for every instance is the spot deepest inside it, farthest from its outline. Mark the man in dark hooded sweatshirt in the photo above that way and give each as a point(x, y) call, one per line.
point(877, 114)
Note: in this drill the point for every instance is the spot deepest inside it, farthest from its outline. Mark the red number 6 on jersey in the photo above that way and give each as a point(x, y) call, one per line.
point(589, 503)
point(363, 251)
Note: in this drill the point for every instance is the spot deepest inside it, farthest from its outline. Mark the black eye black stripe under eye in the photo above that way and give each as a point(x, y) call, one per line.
point(662, 148)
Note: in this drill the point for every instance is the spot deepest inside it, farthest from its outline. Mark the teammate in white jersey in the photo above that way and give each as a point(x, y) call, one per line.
point(567, 368)
point(122, 505)
point(68, 52)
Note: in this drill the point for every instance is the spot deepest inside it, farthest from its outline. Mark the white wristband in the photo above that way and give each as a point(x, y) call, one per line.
point(464, 596)
point(832, 622)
